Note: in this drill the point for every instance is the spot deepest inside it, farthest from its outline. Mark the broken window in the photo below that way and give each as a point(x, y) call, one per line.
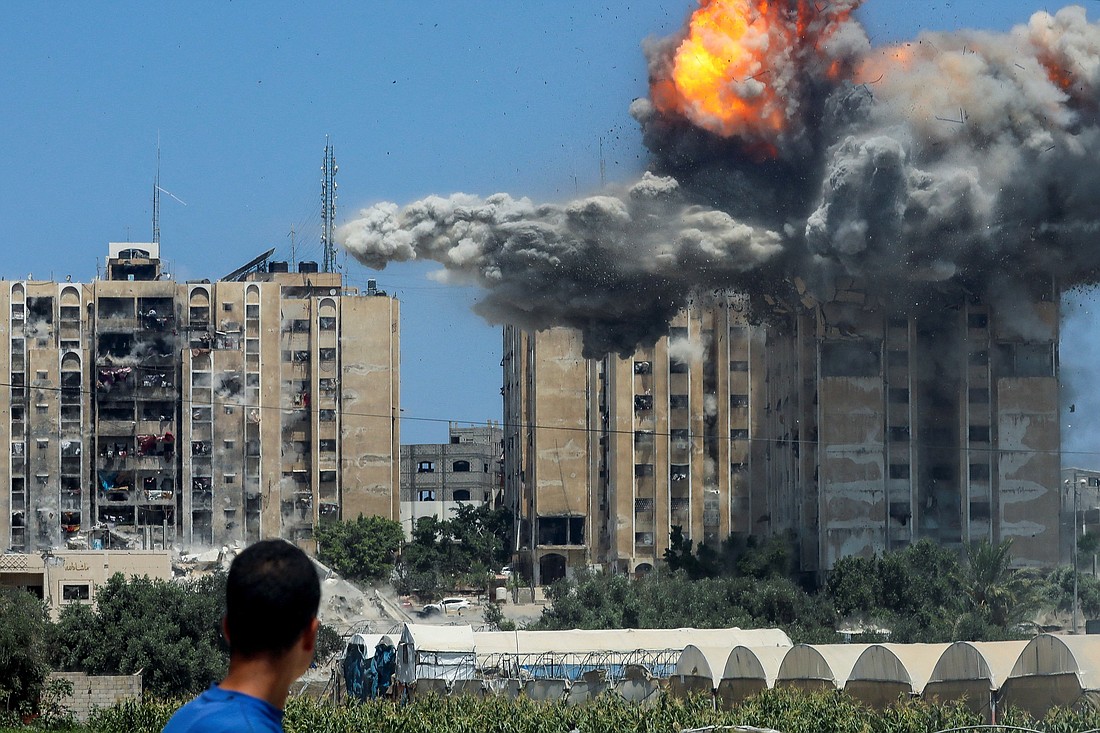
point(643, 402)
point(327, 445)
point(326, 415)
point(739, 400)
point(676, 366)
point(899, 434)
point(327, 323)
point(739, 434)
point(678, 402)
point(899, 470)
point(679, 471)
point(643, 469)
point(643, 438)
point(977, 320)
point(979, 395)
point(979, 433)
point(850, 359)
point(899, 396)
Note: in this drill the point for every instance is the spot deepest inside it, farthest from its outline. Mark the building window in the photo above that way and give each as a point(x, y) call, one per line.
point(643, 402)
point(678, 402)
point(897, 358)
point(74, 592)
point(739, 400)
point(979, 433)
point(977, 320)
point(899, 470)
point(979, 395)
point(643, 469)
point(229, 478)
point(327, 445)
point(425, 467)
point(899, 434)
point(462, 495)
point(227, 307)
point(899, 396)
point(425, 495)
point(739, 365)
point(461, 467)
point(327, 323)
point(739, 434)
point(643, 367)
point(979, 471)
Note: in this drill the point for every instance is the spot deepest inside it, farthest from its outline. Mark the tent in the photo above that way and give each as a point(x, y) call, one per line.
point(569, 654)
point(973, 671)
point(698, 670)
point(428, 652)
point(885, 672)
point(748, 671)
point(818, 666)
point(1054, 670)
point(369, 662)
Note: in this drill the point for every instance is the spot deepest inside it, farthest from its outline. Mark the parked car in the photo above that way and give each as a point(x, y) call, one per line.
point(447, 605)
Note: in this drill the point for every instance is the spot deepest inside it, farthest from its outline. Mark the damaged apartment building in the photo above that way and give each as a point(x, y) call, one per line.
point(148, 412)
point(852, 429)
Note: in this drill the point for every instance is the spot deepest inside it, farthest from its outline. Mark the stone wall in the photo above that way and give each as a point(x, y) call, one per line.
point(98, 692)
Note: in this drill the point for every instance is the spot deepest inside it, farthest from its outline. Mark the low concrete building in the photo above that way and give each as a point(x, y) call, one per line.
point(72, 576)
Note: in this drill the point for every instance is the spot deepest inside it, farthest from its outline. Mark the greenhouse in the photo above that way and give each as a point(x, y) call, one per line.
point(1054, 670)
point(973, 671)
point(818, 666)
point(883, 673)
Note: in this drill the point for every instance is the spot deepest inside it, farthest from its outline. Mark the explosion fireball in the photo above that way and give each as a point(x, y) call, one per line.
point(785, 148)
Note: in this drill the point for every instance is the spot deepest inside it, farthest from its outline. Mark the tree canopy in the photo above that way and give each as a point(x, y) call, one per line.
point(169, 630)
point(362, 549)
point(24, 645)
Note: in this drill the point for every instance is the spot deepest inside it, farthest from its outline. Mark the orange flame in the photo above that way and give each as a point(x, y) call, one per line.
point(737, 73)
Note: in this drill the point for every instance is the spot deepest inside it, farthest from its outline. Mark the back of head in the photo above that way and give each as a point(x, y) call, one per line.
point(272, 594)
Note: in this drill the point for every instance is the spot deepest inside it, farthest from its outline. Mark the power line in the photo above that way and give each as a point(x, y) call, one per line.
point(535, 426)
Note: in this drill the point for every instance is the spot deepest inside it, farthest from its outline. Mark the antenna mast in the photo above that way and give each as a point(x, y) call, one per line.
point(156, 198)
point(328, 207)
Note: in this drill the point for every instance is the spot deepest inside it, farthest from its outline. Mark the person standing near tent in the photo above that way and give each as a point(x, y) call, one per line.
point(271, 595)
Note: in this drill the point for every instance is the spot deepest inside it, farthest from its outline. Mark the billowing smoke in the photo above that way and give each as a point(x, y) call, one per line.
point(784, 148)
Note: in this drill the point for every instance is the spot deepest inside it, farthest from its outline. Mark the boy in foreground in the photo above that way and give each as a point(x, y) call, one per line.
point(272, 596)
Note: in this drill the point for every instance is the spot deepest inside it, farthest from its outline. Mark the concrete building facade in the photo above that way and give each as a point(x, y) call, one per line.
point(148, 411)
point(852, 429)
point(438, 477)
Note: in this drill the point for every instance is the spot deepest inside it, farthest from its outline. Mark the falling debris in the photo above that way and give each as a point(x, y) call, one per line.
point(771, 163)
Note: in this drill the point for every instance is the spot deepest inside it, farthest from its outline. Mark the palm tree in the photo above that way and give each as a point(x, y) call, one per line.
point(993, 588)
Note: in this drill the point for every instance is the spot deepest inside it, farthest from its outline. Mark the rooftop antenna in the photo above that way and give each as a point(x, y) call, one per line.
point(156, 197)
point(328, 207)
point(157, 191)
point(293, 250)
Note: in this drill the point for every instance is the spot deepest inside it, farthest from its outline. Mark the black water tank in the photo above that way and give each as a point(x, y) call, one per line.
point(307, 266)
point(278, 266)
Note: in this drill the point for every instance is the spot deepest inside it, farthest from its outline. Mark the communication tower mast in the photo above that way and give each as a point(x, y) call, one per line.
point(328, 207)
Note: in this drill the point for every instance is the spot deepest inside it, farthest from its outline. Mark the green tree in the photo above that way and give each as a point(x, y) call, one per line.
point(24, 645)
point(445, 554)
point(363, 549)
point(169, 630)
point(993, 588)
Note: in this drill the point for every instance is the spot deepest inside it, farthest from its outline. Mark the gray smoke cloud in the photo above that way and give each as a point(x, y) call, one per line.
point(966, 158)
point(615, 266)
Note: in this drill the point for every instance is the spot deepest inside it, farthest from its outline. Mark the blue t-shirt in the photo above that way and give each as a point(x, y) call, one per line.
point(226, 711)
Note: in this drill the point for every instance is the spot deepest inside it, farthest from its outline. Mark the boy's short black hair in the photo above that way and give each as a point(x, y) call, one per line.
point(271, 596)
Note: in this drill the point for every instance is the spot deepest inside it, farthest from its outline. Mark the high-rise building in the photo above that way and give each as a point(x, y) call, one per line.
point(148, 411)
point(436, 478)
point(852, 429)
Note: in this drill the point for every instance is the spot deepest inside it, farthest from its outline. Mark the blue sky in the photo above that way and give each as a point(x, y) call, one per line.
point(431, 97)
